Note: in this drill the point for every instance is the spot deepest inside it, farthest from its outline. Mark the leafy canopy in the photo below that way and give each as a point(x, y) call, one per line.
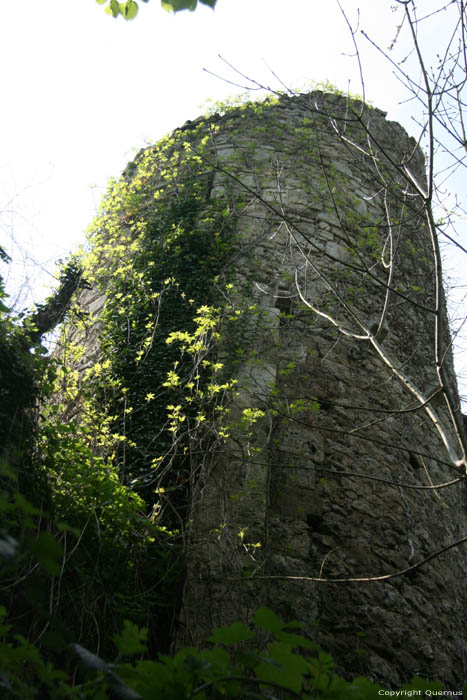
point(129, 9)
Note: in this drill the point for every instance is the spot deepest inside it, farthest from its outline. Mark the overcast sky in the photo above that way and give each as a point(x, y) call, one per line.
point(83, 92)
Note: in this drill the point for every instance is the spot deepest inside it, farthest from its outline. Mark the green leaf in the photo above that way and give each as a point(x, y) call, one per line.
point(216, 657)
point(296, 640)
point(131, 640)
point(283, 667)
point(268, 620)
point(101, 2)
point(113, 8)
point(48, 553)
point(7, 471)
point(25, 506)
point(211, 3)
point(178, 5)
point(237, 632)
point(129, 9)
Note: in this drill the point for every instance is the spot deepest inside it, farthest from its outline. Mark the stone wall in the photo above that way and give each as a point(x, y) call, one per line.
point(334, 478)
point(327, 492)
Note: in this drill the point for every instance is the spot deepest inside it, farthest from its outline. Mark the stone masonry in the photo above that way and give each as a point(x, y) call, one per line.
point(334, 481)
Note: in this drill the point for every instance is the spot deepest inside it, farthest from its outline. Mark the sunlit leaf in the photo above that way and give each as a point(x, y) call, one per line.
point(178, 5)
point(129, 9)
point(113, 8)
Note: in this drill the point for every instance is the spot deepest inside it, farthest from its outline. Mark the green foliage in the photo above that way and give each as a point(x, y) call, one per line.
point(5, 258)
point(93, 516)
point(20, 385)
point(241, 661)
point(70, 462)
point(157, 330)
point(47, 551)
point(131, 640)
point(116, 437)
point(177, 5)
point(129, 8)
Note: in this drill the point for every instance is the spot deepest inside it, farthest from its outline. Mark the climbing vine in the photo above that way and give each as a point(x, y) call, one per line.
point(131, 419)
point(167, 366)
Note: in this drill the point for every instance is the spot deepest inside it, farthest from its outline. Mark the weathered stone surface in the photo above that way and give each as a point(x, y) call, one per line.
point(323, 481)
point(310, 522)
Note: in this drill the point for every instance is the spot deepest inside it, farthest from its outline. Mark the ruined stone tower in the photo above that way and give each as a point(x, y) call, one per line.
point(312, 406)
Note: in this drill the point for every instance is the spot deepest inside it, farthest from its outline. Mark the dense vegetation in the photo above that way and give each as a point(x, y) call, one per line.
point(100, 454)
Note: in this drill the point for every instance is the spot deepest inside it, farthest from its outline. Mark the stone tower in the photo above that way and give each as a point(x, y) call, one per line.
point(329, 406)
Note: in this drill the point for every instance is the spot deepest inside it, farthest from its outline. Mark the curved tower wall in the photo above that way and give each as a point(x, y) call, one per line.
point(326, 462)
point(322, 487)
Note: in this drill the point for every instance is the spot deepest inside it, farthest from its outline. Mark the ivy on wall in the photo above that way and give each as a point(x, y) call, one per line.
point(124, 429)
point(123, 435)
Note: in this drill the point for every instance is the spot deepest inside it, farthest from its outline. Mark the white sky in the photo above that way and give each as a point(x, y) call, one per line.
point(82, 93)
